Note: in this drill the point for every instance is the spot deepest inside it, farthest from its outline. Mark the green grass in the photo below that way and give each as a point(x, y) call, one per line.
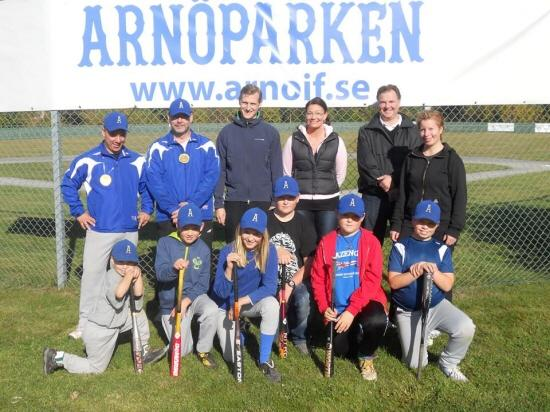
point(507, 364)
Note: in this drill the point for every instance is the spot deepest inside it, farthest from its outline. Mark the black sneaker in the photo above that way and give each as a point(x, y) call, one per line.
point(207, 360)
point(152, 356)
point(49, 360)
point(268, 369)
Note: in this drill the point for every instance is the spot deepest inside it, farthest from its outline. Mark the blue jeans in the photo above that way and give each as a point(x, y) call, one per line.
point(323, 221)
point(378, 211)
point(299, 308)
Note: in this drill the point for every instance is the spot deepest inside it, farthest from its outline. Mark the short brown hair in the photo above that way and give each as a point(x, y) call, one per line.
point(249, 89)
point(388, 88)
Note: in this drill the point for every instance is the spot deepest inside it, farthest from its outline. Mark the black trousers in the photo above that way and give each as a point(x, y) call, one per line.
point(207, 235)
point(365, 334)
point(234, 211)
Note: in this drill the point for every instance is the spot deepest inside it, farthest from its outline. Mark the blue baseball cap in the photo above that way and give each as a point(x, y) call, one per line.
point(189, 214)
point(286, 186)
point(428, 210)
point(125, 251)
point(351, 204)
point(115, 121)
point(254, 218)
point(180, 106)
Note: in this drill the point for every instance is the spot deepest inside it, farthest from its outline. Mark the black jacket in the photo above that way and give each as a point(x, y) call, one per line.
point(378, 154)
point(315, 174)
point(250, 161)
point(443, 178)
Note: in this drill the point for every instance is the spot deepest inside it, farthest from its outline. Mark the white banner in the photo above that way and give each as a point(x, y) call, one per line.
point(71, 54)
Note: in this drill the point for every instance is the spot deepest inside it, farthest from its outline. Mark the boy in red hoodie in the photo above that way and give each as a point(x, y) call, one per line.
point(359, 301)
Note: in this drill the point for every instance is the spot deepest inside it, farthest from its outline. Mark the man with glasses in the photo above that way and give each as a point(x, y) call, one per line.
point(250, 162)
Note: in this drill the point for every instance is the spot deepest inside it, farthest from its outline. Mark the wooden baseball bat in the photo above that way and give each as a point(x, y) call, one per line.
point(175, 345)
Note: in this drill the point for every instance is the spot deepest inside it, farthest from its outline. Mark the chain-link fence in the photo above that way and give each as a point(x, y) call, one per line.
point(505, 149)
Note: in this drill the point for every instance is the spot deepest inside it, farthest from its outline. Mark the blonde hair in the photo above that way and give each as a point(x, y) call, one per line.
point(434, 115)
point(260, 254)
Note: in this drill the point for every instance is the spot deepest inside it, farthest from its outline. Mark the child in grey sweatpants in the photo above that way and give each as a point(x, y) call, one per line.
point(410, 259)
point(110, 316)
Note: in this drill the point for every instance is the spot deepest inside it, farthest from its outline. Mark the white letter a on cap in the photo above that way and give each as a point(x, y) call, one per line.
point(181, 105)
point(286, 185)
point(118, 120)
point(352, 203)
point(190, 213)
point(255, 218)
point(429, 209)
point(128, 251)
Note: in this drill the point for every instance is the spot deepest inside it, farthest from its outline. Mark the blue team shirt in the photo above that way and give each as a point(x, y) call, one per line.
point(410, 251)
point(347, 269)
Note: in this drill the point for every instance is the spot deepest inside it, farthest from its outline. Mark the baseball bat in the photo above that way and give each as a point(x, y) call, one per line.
point(283, 322)
point(238, 367)
point(425, 308)
point(329, 350)
point(137, 347)
point(175, 345)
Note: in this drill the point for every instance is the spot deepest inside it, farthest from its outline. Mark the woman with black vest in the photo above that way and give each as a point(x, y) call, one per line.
point(317, 158)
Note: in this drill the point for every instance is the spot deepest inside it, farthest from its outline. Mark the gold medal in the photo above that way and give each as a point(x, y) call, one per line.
point(105, 180)
point(184, 158)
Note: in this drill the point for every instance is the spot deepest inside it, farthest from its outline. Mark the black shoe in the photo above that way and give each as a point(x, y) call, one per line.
point(268, 369)
point(207, 360)
point(152, 356)
point(49, 360)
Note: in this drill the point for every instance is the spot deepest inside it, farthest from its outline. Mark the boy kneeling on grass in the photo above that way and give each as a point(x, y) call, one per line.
point(409, 261)
point(110, 317)
point(359, 300)
point(195, 301)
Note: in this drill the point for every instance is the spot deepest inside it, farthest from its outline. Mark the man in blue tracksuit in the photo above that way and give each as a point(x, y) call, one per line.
point(250, 162)
point(182, 167)
point(113, 180)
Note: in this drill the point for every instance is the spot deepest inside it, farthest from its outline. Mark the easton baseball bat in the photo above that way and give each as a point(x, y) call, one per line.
point(283, 322)
point(137, 347)
point(238, 367)
point(175, 345)
point(329, 350)
point(425, 308)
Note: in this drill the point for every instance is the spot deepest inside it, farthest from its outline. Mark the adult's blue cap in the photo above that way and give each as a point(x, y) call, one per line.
point(115, 121)
point(180, 106)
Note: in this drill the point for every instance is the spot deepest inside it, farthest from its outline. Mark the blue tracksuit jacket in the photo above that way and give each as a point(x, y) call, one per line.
point(175, 174)
point(112, 205)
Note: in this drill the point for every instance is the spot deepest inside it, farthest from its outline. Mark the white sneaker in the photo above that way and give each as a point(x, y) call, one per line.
point(433, 335)
point(453, 373)
point(76, 334)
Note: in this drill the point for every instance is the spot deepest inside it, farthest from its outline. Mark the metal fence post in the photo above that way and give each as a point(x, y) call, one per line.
point(58, 203)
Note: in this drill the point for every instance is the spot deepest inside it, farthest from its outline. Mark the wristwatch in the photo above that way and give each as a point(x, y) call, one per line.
point(292, 284)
